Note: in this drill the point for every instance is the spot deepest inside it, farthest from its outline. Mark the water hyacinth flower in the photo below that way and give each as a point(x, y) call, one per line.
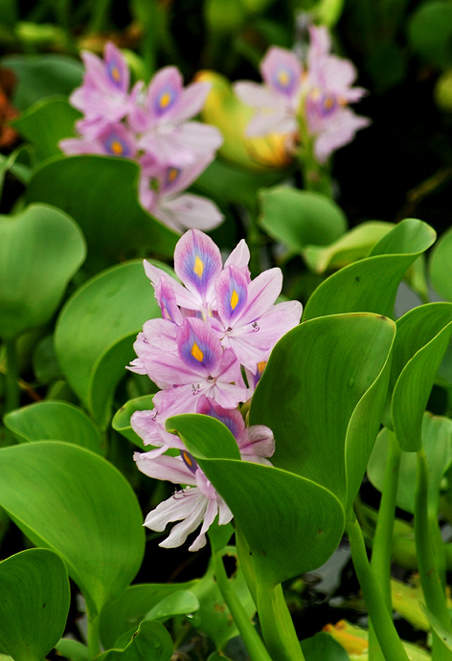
point(217, 325)
point(198, 502)
point(305, 99)
point(153, 127)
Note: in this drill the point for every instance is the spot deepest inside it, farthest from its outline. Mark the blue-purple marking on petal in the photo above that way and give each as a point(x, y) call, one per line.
point(189, 461)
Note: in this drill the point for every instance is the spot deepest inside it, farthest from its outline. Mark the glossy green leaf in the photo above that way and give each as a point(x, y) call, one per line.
point(371, 284)
point(54, 421)
point(351, 246)
point(204, 429)
point(440, 262)
point(151, 642)
point(121, 419)
point(292, 525)
point(47, 122)
point(323, 646)
point(298, 218)
point(76, 503)
point(433, 325)
point(322, 394)
point(100, 193)
point(96, 330)
point(40, 250)
point(415, 330)
point(437, 443)
point(34, 603)
point(39, 76)
point(182, 602)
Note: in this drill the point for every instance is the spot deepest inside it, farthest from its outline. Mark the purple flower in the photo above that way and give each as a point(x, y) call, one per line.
point(111, 140)
point(248, 321)
point(104, 95)
point(161, 195)
point(315, 98)
point(166, 135)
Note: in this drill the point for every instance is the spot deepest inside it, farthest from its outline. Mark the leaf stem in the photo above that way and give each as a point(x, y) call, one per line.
point(276, 624)
point(386, 633)
point(254, 644)
point(93, 634)
point(382, 544)
point(425, 531)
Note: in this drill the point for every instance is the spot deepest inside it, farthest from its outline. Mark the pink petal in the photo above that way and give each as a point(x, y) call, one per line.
point(282, 71)
point(164, 467)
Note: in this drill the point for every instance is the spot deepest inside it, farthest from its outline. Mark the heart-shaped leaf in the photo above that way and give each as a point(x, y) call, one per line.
point(40, 250)
point(34, 604)
point(96, 330)
point(371, 284)
point(46, 123)
point(298, 218)
point(70, 500)
point(100, 193)
point(322, 394)
point(54, 421)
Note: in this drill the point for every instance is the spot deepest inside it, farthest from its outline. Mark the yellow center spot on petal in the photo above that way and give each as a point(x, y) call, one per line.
point(187, 459)
point(172, 174)
point(283, 77)
point(196, 352)
point(234, 299)
point(329, 102)
point(115, 74)
point(165, 100)
point(198, 267)
point(261, 366)
point(116, 147)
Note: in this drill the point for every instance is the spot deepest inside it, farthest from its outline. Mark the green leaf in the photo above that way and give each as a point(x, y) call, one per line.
point(204, 429)
point(131, 608)
point(151, 642)
point(438, 628)
point(440, 262)
point(39, 76)
point(322, 394)
point(212, 618)
point(437, 443)
point(47, 122)
point(96, 330)
point(353, 245)
point(70, 500)
point(423, 337)
point(371, 284)
point(292, 525)
point(34, 604)
point(40, 250)
point(430, 32)
point(182, 602)
point(298, 218)
point(121, 419)
point(100, 193)
point(72, 650)
point(54, 421)
point(323, 646)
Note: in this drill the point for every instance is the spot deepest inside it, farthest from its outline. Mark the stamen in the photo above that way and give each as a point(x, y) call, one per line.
point(196, 352)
